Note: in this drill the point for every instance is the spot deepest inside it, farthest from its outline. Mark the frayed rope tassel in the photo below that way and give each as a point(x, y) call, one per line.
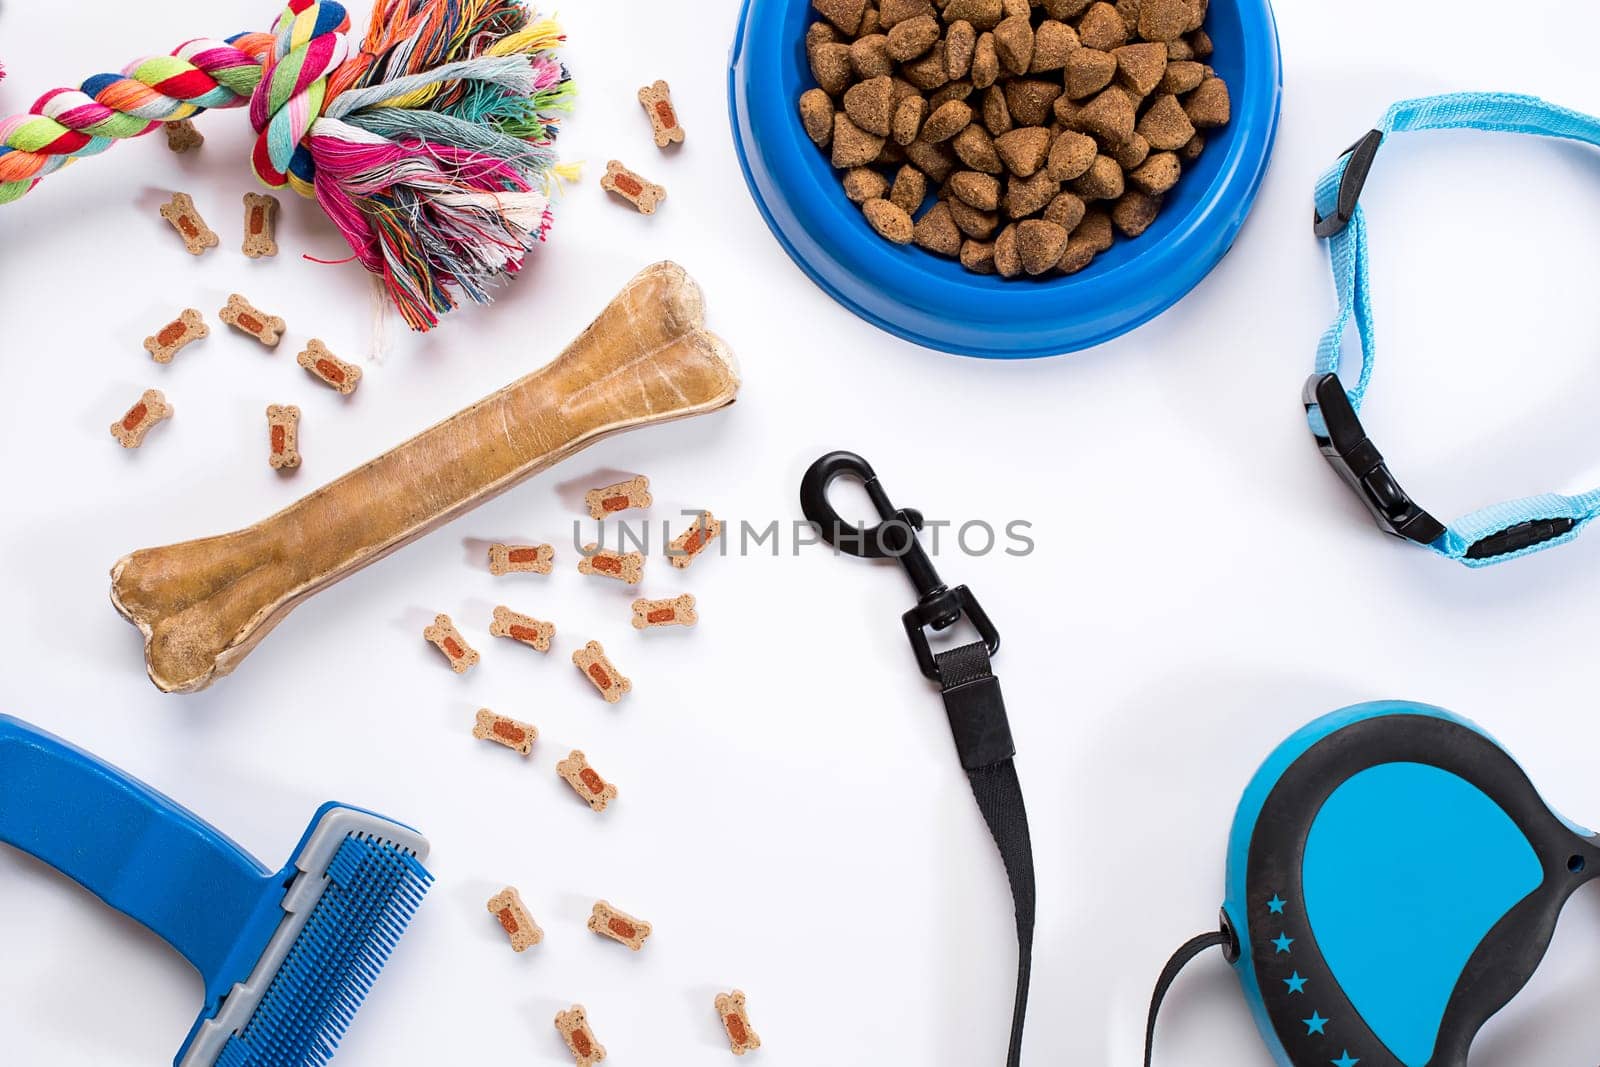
point(431, 147)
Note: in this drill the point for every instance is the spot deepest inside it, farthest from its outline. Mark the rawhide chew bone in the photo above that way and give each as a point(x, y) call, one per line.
point(656, 99)
point(428, 141)
point(149, 409)
point(586, 781)
point(328, 368)
point(573, 1026)
point(679, 611)
point(619, 926)
point(626, 567)
point(248, 319)
point(444, 635)
point(180, 211)
point(517, 736)
point(742, 1037)
point(521, 559)
point(260, 225)
point(507, 907)
point(523, 628)
point(168, 341)
point(609, 499)
point(183, 137)
point(591, 660)
point(686, 546)
point(283, 436)
point(644, 195)
point(203, 605)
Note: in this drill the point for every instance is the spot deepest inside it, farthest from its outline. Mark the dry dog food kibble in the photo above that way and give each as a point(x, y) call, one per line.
point(171, 338)
point(742, 1037)
point(448, 639)
point(586, 781)
point(507, 907)
point(197, 236)
point(627, 567)
point(999, 109)
point(686, 546)
point(573, 1026)
point(150, 409)
point(656, 100)
point(246, 318)
point(619, 926)
point(328, 368)
point(643, 195)
point(633, 493)
point(260, 225)
point(183, 137)
point(521, 559)
point(283, 436)
point(591, 660)
point(517, 736)
point(679, 611)
point(523, 628)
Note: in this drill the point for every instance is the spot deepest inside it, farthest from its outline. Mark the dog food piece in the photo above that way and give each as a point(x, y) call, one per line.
point(626, 567)
point(978, 256)
point(507, 907)
point(1088, 71)
point(1007, 259)
point(521, 559)
point(586, 781)
point(443, 633)
point(936, 231)
point(679, 611)
point(283, 436)
point(619, 926)
point(844, 14)
point(183, 137)
point(869, 56)
point(1066, 211)
point(608, 681)
point(742, 1037)
point(643, 195)
point(686, 546)
point(1165, 124)
point(1141, 66)
point(517, 736)
point(1053, 44)
point(609, 499)
point(171, 338)
point(1102, 181)
point(1208, 106)
point(853, 146)
point(863, 183)
point(328, 368)
point(1040, 244)
point(870, 105)
point(910, 189)
point(260, 225)
point(1163, 20)
point(1183, 76)
point(1134, 211)
point(1131, 153)
point(150, 409)
point(1157, 174)
point(1102, 27)
point(524, 628)
point(246, 318)
point(197, 236)
point(573, 1026)
point(891, 220)
point(816, 114)
point(1024, 150)
point(656, 99)
point(831, 66)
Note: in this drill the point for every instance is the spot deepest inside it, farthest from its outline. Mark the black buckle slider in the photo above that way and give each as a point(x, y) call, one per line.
point(1358, 461)
point(1361, 154)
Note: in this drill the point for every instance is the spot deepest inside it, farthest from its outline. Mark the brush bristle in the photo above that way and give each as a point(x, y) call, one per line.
point(374, 887)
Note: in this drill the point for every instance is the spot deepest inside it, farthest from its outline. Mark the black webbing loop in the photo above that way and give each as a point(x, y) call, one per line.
point(1180, 959)
point(983, 739)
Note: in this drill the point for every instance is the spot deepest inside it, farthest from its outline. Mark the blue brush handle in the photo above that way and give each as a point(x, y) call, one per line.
point(139, 851)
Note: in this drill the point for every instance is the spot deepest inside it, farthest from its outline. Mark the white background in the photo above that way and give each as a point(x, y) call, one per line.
point(792, 817)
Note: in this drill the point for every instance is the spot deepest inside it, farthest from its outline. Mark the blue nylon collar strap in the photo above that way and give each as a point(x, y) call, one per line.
point(1494, 534)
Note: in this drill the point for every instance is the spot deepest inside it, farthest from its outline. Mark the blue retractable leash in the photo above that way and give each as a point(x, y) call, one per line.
point(1494, 534)
point(1352, 941)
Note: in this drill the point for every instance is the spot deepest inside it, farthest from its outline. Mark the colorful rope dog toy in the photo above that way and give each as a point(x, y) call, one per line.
point(430, 146)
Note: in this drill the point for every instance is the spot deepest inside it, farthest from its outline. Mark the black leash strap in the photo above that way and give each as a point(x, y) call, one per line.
point(1169, 974)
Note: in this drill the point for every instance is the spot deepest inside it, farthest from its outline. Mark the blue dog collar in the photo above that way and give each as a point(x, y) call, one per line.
point(1494, 534)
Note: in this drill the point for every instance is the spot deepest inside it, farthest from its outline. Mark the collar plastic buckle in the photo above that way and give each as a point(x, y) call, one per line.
point(1354, 179)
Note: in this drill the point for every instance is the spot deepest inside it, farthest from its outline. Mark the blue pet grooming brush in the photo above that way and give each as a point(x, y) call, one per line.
point(287, 956)
point(1348, 946)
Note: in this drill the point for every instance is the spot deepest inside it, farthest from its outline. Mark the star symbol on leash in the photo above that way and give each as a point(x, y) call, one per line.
point(1297, 984)
point(1346, 1060)
point(1315, 1024)
point(1283, 941)
point(1276, 904)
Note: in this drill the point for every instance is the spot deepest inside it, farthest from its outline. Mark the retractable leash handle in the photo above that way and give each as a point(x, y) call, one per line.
point(1494, 534)
point(971, 692)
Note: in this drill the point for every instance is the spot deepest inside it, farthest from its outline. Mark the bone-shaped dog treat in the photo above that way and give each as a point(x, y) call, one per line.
point(586, 781)
point(444, 635)
point(148, 410)
point(642, 194)
point(517, 736)
point(507, 907)
point(656, 100)
point(619, 926)
point(248, 319)
point(328, 368)
point(260, 225)
point(180, 211)
point(591, 660)
point(182, 136)
point(625, 567)
point(283, 436)
point(742, 1037)
point(686, 546)
point(521, 559)
point(573, 1026)
point(633, 493)
point(524, 628)
point(203, 605)
point(679, 611)
point(167, 342)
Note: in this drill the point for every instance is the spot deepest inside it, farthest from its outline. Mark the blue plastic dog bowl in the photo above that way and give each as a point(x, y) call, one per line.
point(934, 301)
